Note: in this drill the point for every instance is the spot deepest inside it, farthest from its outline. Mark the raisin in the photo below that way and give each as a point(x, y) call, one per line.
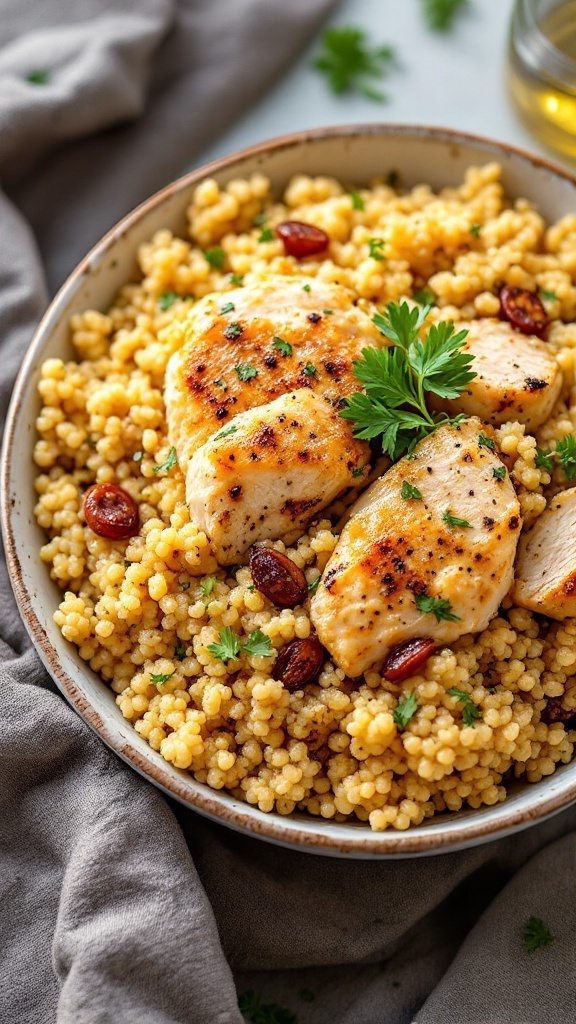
point(554, 712)
point(406, 658)
point(301, 239)
point(278, 577)
point(299, 663)
point(523, 309)
point(111, 512)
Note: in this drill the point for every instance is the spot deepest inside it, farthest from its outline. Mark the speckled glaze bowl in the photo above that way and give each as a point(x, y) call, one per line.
point(353, 154)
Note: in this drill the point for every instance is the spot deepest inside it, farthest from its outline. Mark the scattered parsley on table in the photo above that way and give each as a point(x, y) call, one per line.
point(536, 934)
point(351, 64)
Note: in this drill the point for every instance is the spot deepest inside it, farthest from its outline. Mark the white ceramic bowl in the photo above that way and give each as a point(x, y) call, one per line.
point(353, 154)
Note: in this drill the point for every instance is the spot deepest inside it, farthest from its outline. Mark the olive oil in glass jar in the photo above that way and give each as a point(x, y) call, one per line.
point(542, 70)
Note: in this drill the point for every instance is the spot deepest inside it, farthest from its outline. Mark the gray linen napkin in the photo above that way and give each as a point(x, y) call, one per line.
point(109, 911)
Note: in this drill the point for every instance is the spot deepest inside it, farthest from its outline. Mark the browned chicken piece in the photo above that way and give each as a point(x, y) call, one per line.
point(404, 568)
point(270, 471)
point(273, 333)
point(517, 376)
point(546, 562)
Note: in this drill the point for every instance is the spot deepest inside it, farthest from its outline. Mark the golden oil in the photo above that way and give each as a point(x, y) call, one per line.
point(542, 71)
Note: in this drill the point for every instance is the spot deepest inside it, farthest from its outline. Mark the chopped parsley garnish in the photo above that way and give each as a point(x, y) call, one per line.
point(245, 371)
point(358, 472)
point(313, 587)
point(306, 288)
point(226, 432)
point(485, 442)
point(228, 307)
point(475, 230)
point(566, 455)
point(375, 247)
point(357, 201)
point(425, 297)
point(170, 462)
point(186, 585)
point(233, 331)
point(405, 710)
point(260, 219)
point(163, 677)
point(281, 346)
point(453, 521)
point(216, 257)
point(409, 492)
point(221, 384)
point(266, 235)
point(349, 63)
point(251, 1006)
point(396, 379)
point(439, 606)
point(258, 645)
point(39, 76)
point(544, 460)
point(167, 299)
point(536, 934)
point(207, 586)
point(499, 472)
point(180, 652)
point(327, 312)
point(470, 711)
point(440, 14)
point(310, 370)
point(236, 278)
point(551, 296)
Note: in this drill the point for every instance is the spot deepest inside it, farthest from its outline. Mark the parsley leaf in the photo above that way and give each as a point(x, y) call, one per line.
point(281, 346)
point(536, 934)
point(475, 230)
point(313, 587)
point(358, 472)
point(207, 586)
point(393, 404)
point(180, 652)
point(375, 247)
point(454, 521)
point(221, 384)
point(551, 296)
point(228, 307)
point(425, 297)
point(310, 370)
point(470, 711)
point(266, 235)
point(405, 710)
point(439, 606)
point(229, 646)
point(544, 460)
point(349, 63)
point(186, 585)
point(306, 288)
point(485, 442)
point(409, 492)
point(236, 278)
point(226, 432)
point(499, 472)
point(170, 462)
point(215, 257)
point(161, 678)
point(39, 77)
point(258, 645)
point(440, 14)
point(167, 299)
point(566, 455)
point(245, 371)
point(233, 331)
point(357, 201)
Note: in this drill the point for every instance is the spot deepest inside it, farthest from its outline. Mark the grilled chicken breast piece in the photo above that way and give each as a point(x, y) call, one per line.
point(546, 562)
point(244, 328)
point(270, 471)
point(396, 551)
point(518, 378)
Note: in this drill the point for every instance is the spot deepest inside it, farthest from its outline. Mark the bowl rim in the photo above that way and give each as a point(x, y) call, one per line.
point(447, 835)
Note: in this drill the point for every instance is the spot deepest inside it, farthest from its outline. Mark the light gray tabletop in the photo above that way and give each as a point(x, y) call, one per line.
point(453, 80)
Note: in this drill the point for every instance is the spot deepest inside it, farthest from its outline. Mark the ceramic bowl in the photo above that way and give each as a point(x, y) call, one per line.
point(354, 154)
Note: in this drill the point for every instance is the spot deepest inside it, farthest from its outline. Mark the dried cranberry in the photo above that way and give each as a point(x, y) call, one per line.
point(523, 309)
point(111, 512)
point(301, 239)
point(299, 663)
point(406, 658)
point(278, 577)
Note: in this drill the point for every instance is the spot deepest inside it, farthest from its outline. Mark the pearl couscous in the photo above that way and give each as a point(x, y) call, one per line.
point(143, 612)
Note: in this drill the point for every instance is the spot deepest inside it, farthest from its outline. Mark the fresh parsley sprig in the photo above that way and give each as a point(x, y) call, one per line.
point(396, 379)
point(351, 64)
point(440, 14)
point(404, 710)
point(536, 934)
point(229, 647)
point(470, 711)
